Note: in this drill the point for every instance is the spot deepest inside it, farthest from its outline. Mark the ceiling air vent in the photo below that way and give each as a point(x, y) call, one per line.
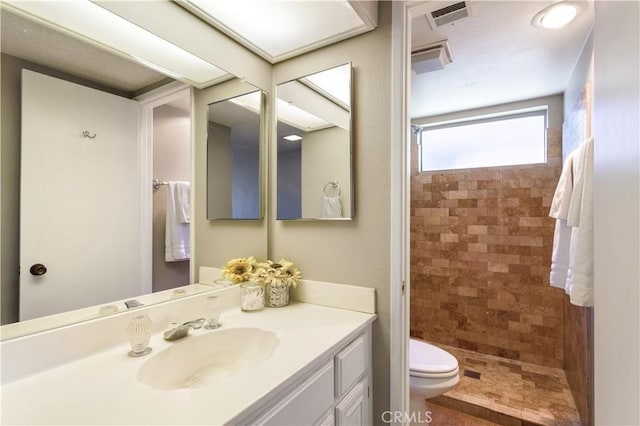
point(448, 14)
point(429, 58)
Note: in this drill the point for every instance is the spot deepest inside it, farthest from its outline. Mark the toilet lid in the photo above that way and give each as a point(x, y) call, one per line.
point(426, 358)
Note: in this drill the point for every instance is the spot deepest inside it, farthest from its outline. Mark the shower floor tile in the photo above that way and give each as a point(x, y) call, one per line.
point(510, 392)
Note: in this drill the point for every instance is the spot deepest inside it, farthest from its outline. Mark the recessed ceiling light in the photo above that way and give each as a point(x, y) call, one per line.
point(293, 138)
point(557, 15)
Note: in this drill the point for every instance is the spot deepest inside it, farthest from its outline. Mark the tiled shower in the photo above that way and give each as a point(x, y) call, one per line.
point(481, 244)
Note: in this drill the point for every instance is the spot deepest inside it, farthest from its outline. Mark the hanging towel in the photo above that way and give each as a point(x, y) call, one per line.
point(176, 231)
point(331, 206)
point(572, 207)
point(580, 219)
point(562, 232)
point(182, 202)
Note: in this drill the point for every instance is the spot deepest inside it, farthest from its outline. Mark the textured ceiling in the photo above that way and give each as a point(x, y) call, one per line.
point(498, 57)
point(42, 45)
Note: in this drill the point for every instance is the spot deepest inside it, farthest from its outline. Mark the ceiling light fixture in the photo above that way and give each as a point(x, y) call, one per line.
point(299, 118)
point(557, 15)
point(278, 30)
point(293, 138)
point(98, 26)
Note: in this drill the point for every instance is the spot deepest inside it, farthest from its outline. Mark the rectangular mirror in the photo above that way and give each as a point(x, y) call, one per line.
point(233, 157)
point(172, 136)
point(315, 149)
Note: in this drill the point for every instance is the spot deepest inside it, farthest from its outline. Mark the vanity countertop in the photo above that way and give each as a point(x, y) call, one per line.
point(103, 388)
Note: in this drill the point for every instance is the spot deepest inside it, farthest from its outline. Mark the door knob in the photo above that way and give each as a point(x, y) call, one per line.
point(38, 269)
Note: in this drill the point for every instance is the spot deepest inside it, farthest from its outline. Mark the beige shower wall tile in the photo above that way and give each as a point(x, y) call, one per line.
point(481, 248)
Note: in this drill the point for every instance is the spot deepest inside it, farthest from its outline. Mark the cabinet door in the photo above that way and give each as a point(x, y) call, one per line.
point(353, 410)
point(329, 420)
point(351, 363)
point(306, 404)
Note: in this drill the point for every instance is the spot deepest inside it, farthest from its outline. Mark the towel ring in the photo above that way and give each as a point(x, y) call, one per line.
point(333, 184)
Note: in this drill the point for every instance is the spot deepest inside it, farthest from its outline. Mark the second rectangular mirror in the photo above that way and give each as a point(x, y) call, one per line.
point(233, 157)
point(315, 176)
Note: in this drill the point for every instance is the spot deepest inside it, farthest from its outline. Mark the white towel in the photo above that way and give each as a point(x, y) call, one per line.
point(176, 239)
point(182, 202)
point(580, 219)
point(331, 206)
point(562, 233)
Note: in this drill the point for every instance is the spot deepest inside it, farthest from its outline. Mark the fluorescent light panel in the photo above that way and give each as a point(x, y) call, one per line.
point(250, 101)
point(275, 28)
point(293, 138)
point(299, 118)
point(101, 26)
point(335, 81)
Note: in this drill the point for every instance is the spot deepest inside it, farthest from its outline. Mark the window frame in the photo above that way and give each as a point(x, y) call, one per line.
point(480, 119)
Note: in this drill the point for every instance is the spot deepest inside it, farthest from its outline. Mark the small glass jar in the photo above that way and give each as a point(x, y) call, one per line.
point(139, 333)
point(251, 296)
point(277, 295)
point(212, 312)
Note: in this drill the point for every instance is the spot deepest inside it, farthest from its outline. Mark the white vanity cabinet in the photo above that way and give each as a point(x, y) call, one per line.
point(334, 392)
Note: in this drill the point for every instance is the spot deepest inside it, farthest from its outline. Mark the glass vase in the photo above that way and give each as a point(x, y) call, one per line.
point(251, 297)
point(139, 333)
point(277, 295)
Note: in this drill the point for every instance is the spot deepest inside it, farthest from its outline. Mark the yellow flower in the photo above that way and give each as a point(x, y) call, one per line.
point(240, 269)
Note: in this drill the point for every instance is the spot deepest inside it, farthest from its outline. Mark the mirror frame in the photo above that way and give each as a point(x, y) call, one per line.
point(352, 175)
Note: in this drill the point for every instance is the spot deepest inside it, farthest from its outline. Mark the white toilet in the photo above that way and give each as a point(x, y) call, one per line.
point(433, 371)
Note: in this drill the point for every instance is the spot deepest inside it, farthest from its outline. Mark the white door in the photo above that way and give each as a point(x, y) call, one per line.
point(80, 197)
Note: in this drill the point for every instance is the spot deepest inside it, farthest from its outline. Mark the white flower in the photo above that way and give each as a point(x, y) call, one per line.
point(283, 273)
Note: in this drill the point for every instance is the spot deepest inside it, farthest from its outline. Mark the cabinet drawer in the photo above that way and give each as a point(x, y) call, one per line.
point(351, 363)
point(306, 404)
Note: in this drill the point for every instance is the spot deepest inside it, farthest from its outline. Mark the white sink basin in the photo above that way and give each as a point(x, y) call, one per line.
point(198, 361)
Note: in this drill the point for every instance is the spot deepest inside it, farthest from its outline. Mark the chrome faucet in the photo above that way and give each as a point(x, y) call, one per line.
point(179, 331)
point(133, 304)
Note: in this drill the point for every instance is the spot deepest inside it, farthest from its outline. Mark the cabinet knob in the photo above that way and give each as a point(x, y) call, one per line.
point(38, 269)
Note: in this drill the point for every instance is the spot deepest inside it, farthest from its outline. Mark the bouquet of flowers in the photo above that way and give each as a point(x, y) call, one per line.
point(240, 269)
point(281, 274)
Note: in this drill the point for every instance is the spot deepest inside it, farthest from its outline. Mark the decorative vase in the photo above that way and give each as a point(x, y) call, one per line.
point(277, 295)
point(251, 296)
point(139, 333)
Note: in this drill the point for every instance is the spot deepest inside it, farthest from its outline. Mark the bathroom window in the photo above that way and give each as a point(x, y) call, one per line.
point(511, 139)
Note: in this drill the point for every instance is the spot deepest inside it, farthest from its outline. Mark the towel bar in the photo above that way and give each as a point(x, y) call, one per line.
point(157, 183)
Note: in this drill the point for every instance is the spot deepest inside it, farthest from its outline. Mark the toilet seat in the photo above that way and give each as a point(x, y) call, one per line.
point(429, 361)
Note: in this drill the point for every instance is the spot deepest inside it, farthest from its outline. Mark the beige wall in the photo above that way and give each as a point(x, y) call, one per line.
point(554, 104)
point(616, 195)
point(171, 161)
point(352, 252)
